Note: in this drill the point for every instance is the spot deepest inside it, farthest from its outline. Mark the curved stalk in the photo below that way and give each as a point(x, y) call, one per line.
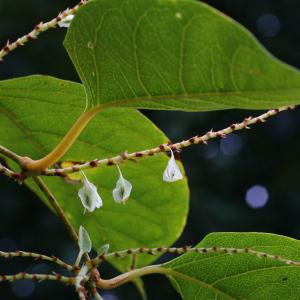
point(65, 144)
point(158, 269)
point(131, 275)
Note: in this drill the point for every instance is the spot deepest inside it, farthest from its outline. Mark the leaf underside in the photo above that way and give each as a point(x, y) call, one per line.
point(37, 111)
point(174, 54)
point(238, 276)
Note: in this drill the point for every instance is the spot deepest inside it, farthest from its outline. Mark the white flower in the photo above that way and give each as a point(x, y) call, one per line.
point(172, 172)
point(122, 190)
point(66, 21)
point(88, 195)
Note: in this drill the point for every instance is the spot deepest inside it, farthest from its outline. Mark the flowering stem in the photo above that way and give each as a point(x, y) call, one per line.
point(202, 250)
point(162, 269)
point(55, 205)
point(9, 173)
point(167, 147)
point(38, 29)
point(38, 257)
point(39, 277)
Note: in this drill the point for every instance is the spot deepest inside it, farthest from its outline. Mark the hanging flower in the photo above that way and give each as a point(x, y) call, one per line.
point(122, 190)
point(89, 196)
point(172, 172)
point(66, 21)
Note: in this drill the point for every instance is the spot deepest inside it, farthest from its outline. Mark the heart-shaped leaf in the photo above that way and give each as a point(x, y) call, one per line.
point(37, 111)
point(173, 54)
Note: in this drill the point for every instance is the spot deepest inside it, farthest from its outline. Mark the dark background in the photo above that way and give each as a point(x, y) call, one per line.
point(219, 174)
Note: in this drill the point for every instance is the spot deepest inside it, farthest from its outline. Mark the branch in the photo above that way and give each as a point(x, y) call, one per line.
point(9, 173)
point(81, 278)
point(38, 29)
point(203, 250)
point(39, 257)
point(167, 147)
point(39, 277)
point(59, 211)
point(161, 269)
point(129, 276)
point(55, 205)
point(10, 154)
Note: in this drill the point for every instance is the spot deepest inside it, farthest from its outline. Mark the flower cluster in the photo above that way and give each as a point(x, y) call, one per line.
point(91, 199)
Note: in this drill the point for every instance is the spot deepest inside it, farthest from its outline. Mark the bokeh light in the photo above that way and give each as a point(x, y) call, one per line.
point(257, 196)
point(23, 288)
point(211, 150)
point(231, 145)
point(268, 25)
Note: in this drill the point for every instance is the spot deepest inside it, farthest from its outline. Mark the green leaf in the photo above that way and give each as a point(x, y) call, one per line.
point(174, 54)
point(238, 276)
point(35, 114)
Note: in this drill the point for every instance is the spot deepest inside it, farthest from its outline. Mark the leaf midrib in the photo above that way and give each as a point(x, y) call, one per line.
point(121, 102)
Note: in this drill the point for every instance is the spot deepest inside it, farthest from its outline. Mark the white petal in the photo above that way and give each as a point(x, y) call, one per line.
point(89, 196)
point(122, 190)
point(66, 21)
point(172, 172)
point(84, 241)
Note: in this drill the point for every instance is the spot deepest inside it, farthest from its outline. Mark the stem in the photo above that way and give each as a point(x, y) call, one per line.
point(139, 284)
point(38, 29)
point(133, 261)
point(97, 296)
point(63, 146)
point(78, 259)
point(168, 147)
point(203, 250)
point(59, 211)
point(9, 173)
point(39, 277)
point(38, 257)
point(55, 205)
point(156, 269)
point(10, 154)
point(129, 276)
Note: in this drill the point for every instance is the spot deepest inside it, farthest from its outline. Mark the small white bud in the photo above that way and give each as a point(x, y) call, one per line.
point(84, 241)
point(103, 249)
point(172, 172)
point(122, 190)
point(66, 21)
point(89, 196)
